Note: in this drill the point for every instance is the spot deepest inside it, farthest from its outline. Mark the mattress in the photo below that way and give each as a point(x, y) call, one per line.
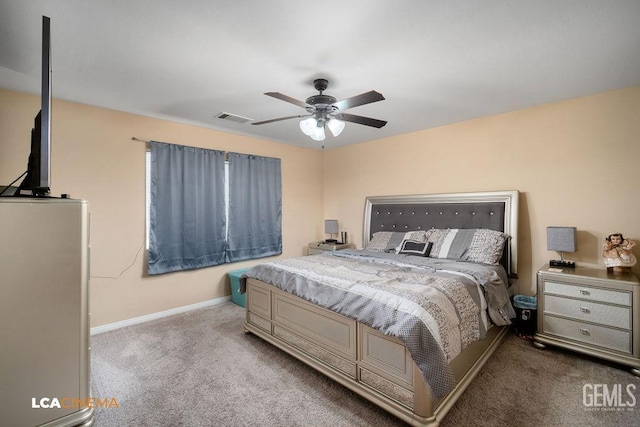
point(435, 306)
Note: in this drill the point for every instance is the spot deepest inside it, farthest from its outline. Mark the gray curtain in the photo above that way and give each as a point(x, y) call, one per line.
point(255, 207)
point(187, 210)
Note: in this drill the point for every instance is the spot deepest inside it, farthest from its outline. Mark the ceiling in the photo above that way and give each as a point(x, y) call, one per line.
point(436, 62)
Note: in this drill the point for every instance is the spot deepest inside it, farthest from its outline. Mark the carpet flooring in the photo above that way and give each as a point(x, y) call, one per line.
point(201, 369)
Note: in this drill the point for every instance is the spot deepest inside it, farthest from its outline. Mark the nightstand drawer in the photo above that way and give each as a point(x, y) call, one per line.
point(602, 336)
point(609, 315)
point(588, 293)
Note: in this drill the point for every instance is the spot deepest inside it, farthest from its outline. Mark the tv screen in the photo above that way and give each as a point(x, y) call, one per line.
point(38, 178)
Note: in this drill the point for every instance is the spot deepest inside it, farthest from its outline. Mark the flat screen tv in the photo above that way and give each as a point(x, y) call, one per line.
point(37, 181)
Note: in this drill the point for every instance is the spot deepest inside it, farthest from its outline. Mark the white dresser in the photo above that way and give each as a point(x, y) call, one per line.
point(44, 313)
point(591, 311)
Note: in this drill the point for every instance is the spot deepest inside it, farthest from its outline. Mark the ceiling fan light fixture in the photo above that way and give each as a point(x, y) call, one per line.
point(318, 133)
point(324, 111)
point(335, 126)
point(307, 126)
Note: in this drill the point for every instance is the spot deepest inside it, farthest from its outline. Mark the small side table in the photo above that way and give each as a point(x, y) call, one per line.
point(316, 248)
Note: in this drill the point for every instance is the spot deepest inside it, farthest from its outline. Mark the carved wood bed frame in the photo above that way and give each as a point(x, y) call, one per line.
point(376, 366)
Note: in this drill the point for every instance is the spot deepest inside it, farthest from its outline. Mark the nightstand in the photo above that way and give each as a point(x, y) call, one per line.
point(590, 311)
point(320, 247)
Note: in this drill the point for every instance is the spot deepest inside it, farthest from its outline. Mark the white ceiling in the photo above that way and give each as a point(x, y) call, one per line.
point(436, 62)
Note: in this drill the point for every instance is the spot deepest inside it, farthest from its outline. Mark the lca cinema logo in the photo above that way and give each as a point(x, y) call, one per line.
point(609, 397)
point(73, 403)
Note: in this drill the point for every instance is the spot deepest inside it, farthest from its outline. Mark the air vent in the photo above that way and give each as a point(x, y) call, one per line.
point(233, 117)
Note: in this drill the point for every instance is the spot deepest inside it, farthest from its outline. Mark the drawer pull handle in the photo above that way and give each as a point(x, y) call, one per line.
point(584, 309)
point(584, 331)
point(584, 292)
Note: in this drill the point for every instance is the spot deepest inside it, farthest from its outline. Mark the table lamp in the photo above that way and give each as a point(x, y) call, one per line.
point(561, 239)
point(331, 227)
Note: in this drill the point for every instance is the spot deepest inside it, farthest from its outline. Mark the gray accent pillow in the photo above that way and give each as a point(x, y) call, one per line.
point(475, 244)
point(390, 241)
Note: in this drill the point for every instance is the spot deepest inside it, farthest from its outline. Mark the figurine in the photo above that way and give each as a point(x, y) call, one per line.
point(617, 253)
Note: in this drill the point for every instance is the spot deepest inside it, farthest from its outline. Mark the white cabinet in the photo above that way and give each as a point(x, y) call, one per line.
point(44, 317)
point(590, 311)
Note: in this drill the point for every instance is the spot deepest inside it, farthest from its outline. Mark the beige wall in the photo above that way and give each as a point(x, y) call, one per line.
point(95, 159)
point(576, 163)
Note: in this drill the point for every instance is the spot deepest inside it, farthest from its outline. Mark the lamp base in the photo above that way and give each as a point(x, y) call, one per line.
point(331, 241)
point(565, 264)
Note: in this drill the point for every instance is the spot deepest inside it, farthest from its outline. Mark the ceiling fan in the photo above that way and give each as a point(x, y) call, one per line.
point(326, 110)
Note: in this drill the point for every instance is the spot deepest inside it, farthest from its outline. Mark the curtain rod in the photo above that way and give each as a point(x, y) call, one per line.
point(133, 138)
point(226, 153)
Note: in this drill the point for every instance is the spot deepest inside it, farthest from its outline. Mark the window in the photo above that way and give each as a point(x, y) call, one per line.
point(147, 187)
point(203, 210)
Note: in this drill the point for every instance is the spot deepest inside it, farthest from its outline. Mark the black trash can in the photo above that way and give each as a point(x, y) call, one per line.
point(526, 315)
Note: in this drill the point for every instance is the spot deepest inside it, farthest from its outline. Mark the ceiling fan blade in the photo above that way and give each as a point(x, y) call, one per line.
point(367, 121)
point(362, 99)
point(287, 98)
point(279, 118)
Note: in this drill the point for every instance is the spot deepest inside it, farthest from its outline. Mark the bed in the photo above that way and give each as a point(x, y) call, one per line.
point(408, 321)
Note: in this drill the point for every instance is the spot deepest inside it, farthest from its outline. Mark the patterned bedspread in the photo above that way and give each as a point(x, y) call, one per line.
point(436, 307)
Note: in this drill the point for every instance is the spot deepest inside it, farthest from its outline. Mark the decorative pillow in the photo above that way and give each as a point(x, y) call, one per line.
point(475, 245)
point(390, 241)
point(413, 247)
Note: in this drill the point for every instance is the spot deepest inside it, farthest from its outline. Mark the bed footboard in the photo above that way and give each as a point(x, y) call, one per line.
point(376, 366)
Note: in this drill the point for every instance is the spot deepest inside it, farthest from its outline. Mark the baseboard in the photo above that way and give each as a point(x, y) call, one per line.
point(159, 315)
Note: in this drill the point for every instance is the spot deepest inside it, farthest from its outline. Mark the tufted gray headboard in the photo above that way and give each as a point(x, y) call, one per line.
point(496, 210)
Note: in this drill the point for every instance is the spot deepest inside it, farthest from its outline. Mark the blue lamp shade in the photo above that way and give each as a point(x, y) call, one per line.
point(561, 239)
point(331, 226)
